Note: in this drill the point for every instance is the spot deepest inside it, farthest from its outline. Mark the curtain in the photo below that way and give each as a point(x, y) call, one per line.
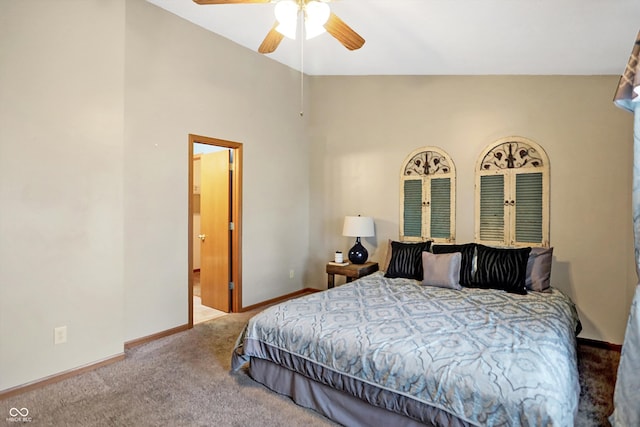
point(626, 405)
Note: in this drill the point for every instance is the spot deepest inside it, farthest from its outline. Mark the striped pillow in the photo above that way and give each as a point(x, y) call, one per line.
point(406, 260)
point(466, 266)
point(499, 268)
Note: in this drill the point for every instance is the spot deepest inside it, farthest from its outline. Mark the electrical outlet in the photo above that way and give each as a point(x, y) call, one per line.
point(291, 274)
point(60, 335)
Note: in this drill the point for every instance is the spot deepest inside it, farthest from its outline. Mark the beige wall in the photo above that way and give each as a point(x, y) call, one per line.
point(363, 128)
point(181, 79)
point(61, 214)
point(95, 110)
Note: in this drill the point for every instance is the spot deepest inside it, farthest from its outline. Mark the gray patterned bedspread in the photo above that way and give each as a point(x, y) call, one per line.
point(486, 356)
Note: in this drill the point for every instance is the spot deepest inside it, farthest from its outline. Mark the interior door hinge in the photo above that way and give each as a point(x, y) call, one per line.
point(231, 226)
point(231, 285)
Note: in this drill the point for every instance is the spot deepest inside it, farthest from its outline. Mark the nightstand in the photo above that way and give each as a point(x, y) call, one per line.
point(351, 271)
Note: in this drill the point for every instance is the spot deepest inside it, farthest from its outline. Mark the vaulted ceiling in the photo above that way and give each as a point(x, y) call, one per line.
point(444, 37)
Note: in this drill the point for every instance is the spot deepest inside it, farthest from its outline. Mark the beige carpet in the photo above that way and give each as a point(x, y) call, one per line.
point(184, 380)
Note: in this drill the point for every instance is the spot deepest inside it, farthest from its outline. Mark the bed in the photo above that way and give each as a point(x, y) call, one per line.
point(392, 351)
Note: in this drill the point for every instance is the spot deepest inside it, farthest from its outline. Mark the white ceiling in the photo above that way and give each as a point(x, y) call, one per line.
point(444, 37)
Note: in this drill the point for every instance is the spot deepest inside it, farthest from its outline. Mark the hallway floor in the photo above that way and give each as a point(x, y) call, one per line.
point(202, 313)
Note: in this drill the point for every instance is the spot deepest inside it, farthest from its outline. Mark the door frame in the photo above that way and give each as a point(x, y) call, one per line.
point(236, 218)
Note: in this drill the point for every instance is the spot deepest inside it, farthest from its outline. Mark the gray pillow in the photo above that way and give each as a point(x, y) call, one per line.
point(442, 270)
point(539, 269)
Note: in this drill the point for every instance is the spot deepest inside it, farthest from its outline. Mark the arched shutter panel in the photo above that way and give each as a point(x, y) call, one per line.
point(427, 193)
point(529, 208)
point(492, 201)
point(412, 220)
point(441, 208)
point(512, 194)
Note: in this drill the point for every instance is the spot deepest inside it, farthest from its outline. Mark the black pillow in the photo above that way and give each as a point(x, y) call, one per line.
point(504, 269)
point(466, 264)
point(406, 260)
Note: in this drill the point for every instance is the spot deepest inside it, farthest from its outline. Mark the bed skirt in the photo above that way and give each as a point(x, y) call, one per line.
point(337, 405)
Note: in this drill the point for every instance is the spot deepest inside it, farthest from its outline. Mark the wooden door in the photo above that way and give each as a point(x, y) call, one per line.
point(214, 228)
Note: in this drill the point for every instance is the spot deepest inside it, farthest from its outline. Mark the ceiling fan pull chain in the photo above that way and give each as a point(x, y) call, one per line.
point(302, 65)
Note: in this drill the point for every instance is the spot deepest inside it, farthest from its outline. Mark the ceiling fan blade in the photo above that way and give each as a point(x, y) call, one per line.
point(343, 33)
point(271, 42)
point(230, 1)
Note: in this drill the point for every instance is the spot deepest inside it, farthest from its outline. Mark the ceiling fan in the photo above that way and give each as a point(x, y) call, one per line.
point(318, 18)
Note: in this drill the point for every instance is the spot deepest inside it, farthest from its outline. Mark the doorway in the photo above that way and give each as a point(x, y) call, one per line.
point(215, 203)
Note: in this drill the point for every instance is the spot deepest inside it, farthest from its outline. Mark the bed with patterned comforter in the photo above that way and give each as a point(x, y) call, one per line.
point(480, 356)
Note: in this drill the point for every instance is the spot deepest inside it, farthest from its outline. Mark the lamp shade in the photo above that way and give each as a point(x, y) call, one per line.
point(358, 226)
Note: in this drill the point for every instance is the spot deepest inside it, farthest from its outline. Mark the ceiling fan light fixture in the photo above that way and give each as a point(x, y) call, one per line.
point(286, 12)
point(316, 14)
point(287, 30)
point(317, 17)
point(312, 31)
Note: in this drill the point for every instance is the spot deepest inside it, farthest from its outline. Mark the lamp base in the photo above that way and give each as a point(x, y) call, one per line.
point(358, 254)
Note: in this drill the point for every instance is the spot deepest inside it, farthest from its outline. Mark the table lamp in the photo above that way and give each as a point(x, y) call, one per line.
point(358, 226)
